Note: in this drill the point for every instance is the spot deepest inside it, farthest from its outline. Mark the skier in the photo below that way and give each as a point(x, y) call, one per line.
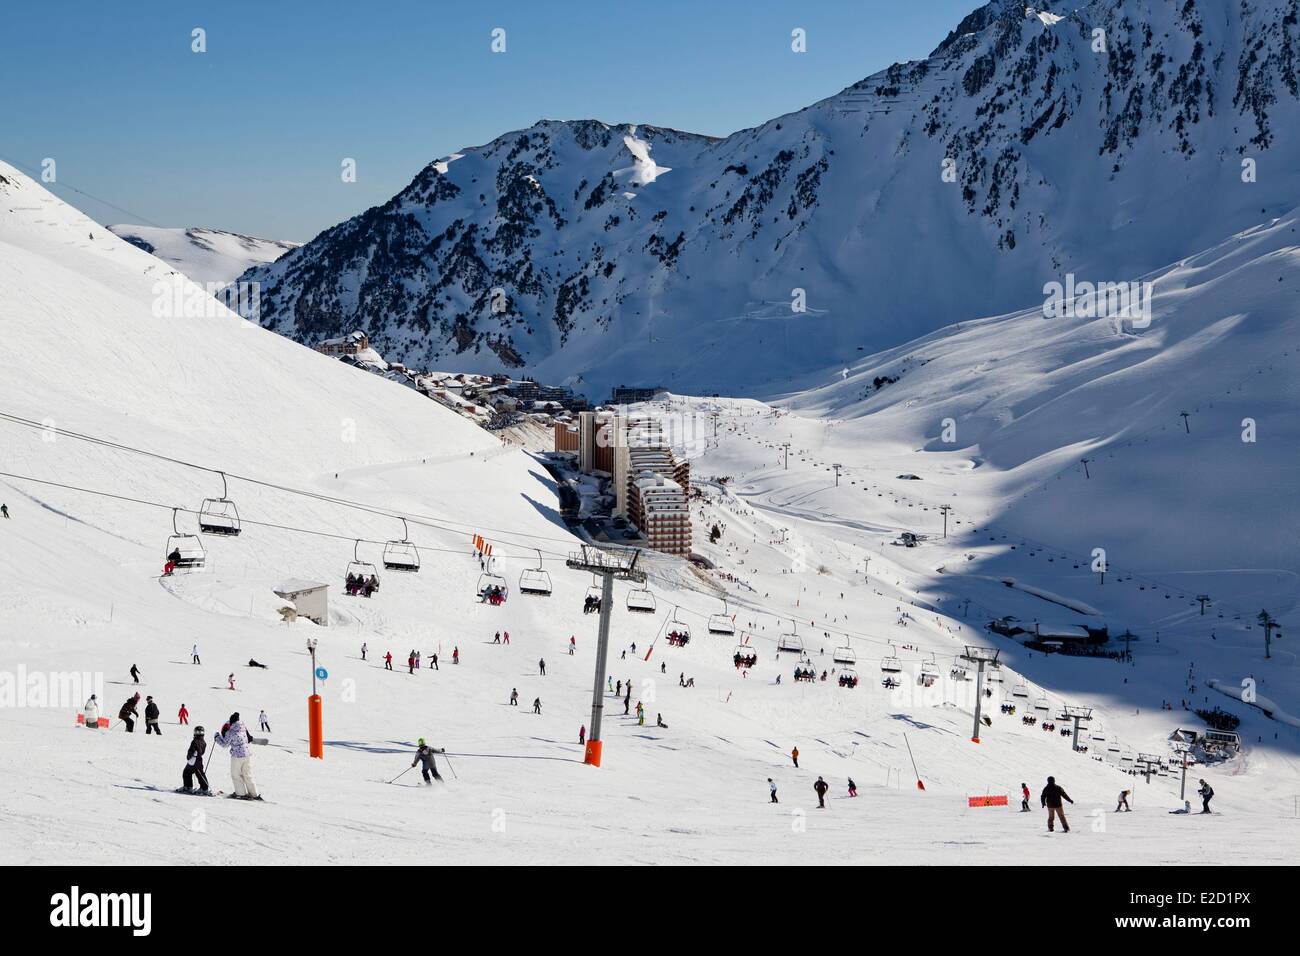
point(151, 717)
point(135, 674)
point(424, 755)
point(541, 666)
point(261, 717)
point(388, 660)
point(230, 681)
point(1206, 793)
point(129, 714)
point(573, 644)
point(794, 755)
point(183, 715)
point(194, 655)
point(771, 785)
point(1051, 798)
point(627, 704)
point(455, 654)
point(433, 662)
point(410, 663)
point(582, 735)
point(194, 763)
point(514, 697)
point(91, 712)
point(1024, 797)
point(363, 650)
point(497, 638)
point(505, 637)
point(853, 788)
point(618, 689)
point(236, 738)
point(4, 511)
point(1123, 802)
point(537, 706)
point(820, 788)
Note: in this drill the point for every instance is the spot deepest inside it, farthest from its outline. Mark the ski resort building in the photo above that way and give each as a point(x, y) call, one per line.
point(659, 508)
point(310, 599)
point(351, 344)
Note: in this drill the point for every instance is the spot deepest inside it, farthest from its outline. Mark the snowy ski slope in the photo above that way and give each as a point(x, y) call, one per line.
point(81, 592)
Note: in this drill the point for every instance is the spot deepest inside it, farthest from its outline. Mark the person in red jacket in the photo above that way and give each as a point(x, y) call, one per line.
point(183, 715)
point(388, 661)
point(1024, 797)
point(410, 663)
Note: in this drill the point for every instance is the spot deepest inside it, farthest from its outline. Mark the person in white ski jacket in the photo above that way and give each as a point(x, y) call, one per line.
point(91, 712)
point(237, 740)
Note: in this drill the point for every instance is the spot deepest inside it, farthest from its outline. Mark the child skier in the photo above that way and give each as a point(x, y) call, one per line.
point(424, 755)
point(194, 763)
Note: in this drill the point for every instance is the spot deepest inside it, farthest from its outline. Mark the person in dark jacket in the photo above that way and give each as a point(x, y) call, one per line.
point(135, 674)
point(151, 717)
point(194, 763)
point(1206, 793)
point(128, 713)
point(820, 787)
point(424, 755)
point(1051, 798)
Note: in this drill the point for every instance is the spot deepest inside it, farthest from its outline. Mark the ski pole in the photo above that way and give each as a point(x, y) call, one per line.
point(402, 774)
point(454, 775)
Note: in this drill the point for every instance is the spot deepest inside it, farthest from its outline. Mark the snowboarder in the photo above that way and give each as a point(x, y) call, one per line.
point(433, 662)
point(853, 788)
point(1051, 798)
point(363, 650)
point(266, 725)
point(194, 763)
point(151, 717)
point(1123, 802)
point(514, 697)
point(537, 705)
point(820, 788)
point(237, 740)
point(388, 660)
point(1024, 797)
point(1206, 793)
point(424, 755)
point(91, 712)
point(794, 755)
point(541, 666)
point(128, 713)
point(194, 655)
point(135, 674)
point(771, 785)
point(183, 715)
point(659, 721)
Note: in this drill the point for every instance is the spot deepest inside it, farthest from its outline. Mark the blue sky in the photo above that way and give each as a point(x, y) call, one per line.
point(249, 135)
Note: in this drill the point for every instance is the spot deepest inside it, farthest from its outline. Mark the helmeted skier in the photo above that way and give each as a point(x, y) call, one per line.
point(194, 763)
point(91, 712)
point(424, 755)
point(151, 714)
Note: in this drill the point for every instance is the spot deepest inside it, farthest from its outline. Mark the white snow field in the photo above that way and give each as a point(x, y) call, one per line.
point(80, 591)
point(204, 255)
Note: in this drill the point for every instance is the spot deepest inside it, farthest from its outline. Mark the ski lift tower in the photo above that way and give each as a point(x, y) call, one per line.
point(609, 566)
point(1078, 714)
point(1150, 764)
point(979, 656)
point(1179, 744)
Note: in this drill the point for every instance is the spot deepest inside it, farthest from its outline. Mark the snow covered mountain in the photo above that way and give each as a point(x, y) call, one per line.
point(204, 255)
point(1028, 145)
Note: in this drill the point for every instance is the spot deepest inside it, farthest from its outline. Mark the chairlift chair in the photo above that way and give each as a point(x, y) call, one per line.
point(219, 515)
point(929, 671)
point(1019, 690)
point(790, 643)
point(489, 580)
point(959, 671)
point(641, 601)
point(184, 550)
point(743, 654)
point(535, 580)
point(675, 623)
point(891, 664)
point(993, 675)
point(1042, 705)
point(401, 555)
point(845, 655)
point(359, 570)
point(722, 623)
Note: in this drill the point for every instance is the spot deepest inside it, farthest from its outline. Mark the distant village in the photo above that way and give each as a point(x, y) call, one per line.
point(618, 470)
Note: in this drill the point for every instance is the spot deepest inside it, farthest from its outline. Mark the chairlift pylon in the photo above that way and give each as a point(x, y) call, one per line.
point(219, 515)
point(536, 580)
point(184, 550)
point(402, 555)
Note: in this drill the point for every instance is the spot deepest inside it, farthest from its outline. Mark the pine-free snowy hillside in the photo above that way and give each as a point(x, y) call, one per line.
point(80, 591)
point(204, 255)
point(611, 253)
